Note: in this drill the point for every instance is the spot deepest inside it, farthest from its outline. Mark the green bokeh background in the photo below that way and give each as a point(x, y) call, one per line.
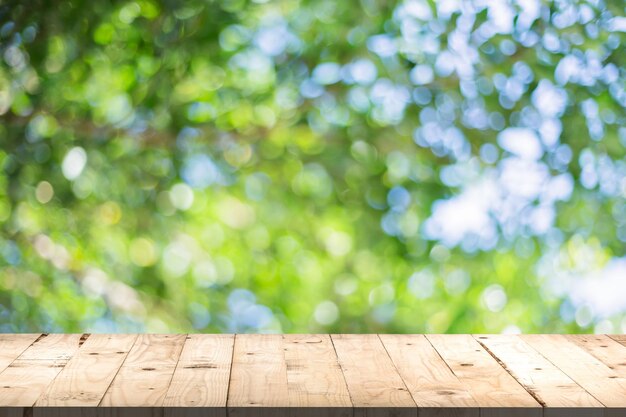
point(312, 166)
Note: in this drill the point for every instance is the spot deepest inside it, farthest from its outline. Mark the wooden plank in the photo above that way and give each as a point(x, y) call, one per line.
point(548, 384)
point(315, 382)
point(494, 389)
point(619, 338)
point(434, 387)
point(54, 347)
point(144, 378)
point(201, 376)
point(258, 380)
point(375, 387)
point(582, 367)
point(312, 375)
point(12, 346)
point(605, 349)
point(27, 377)
point(87, 376)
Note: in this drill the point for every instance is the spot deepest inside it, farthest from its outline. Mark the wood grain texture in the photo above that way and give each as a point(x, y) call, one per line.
point(88, 374)
point(145, 376)
point(375, 387)
point(315, 381)
point(550, 386)
point(312, 375)
point(27, 377)
point(582, 367)
point(434, 387)
point(494, 389)
point(258, 380)
point(619, 338)
point(201, 377)
point(605, 349)
point(59, 347)
point(12, 346)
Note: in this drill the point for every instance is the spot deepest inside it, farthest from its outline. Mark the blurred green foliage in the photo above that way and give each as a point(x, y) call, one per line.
point(303, 166)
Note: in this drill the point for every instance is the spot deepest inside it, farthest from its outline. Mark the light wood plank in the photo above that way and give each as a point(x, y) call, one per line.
point(27, 377)
point(201, 376)
point(550, 386)
point(315, 382)
point(434, 387)
point(375, 387)
point(619, 338)
point(54, 347)
point(312, 375)
point(258, 381)
point(493, 388)
point(607, 350)
point(144, 378)
point(591, 374)
point(87, 376)
point(12, 346)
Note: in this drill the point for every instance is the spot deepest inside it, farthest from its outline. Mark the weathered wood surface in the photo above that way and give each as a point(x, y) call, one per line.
point(312, 375)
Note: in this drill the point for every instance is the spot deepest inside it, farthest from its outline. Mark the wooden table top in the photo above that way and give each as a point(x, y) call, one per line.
point(312, 375)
